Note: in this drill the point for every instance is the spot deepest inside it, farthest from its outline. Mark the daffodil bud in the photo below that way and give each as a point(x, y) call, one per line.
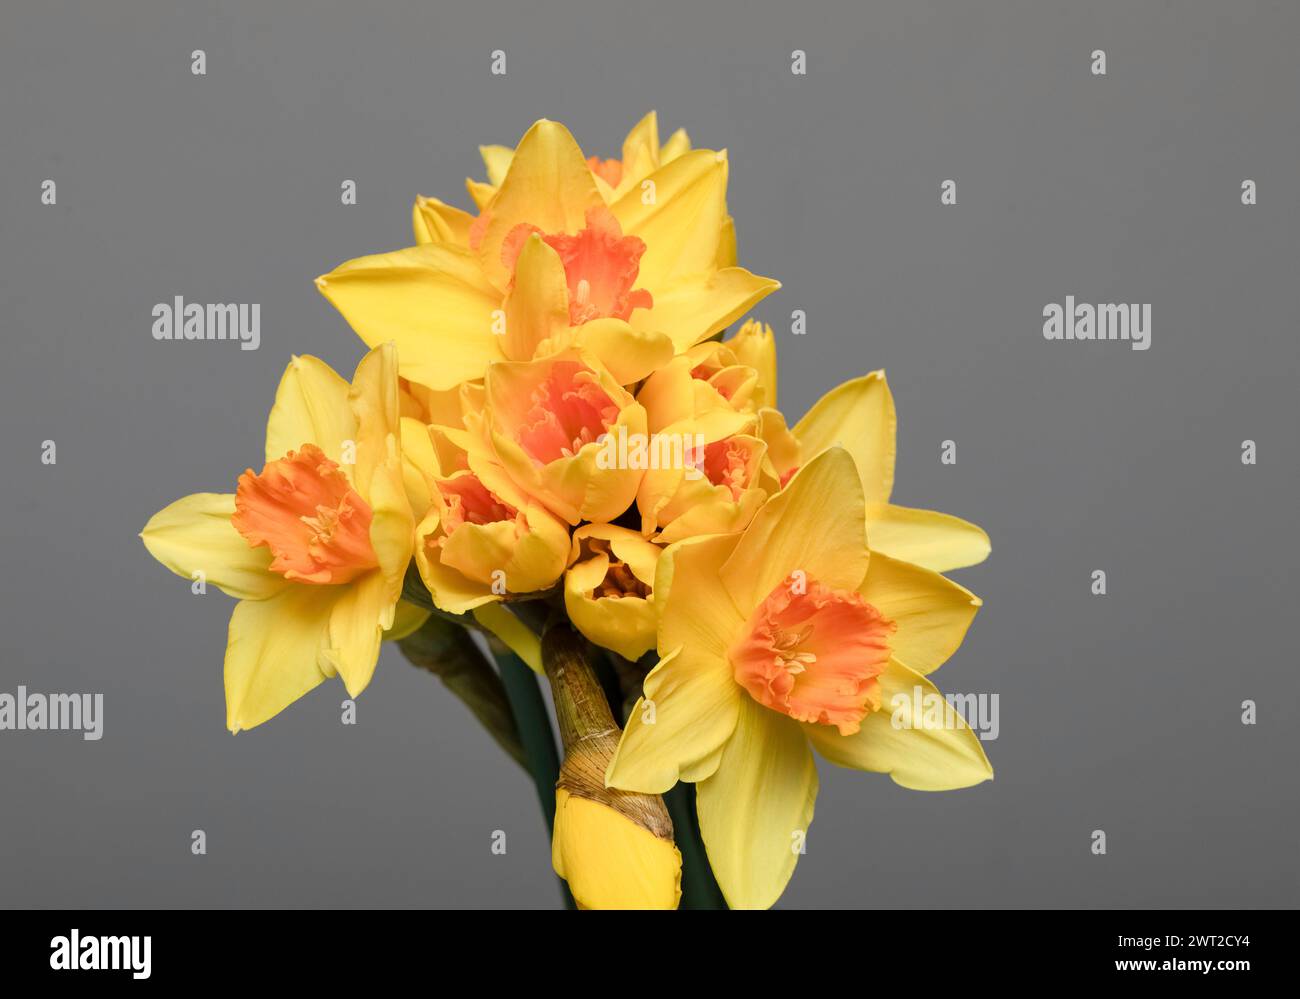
point(614, 848)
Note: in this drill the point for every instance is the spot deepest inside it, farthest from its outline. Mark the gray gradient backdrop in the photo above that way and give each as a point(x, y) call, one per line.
point(1119, 713)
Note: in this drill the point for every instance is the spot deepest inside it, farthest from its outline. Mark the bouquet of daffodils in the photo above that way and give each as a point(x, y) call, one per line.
point(555, 465)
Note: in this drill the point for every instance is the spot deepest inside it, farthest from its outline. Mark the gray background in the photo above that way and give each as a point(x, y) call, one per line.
point(1118, 712)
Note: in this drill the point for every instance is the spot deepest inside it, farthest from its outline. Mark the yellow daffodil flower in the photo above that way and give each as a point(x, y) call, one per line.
point(609, 588)
point(544, 421)
point(859, 416)
point(717, 490)
point(548, 263)
point(483, 538)
point(643, 154)
point(314, 547)
point(713, 381)
point(789, 639)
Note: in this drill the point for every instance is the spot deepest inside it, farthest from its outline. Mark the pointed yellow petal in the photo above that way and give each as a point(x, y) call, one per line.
point(691, 697)
point(548, 185)
point(693, 308)
point(378, 471)
point(311, 407)
point(696, 614)
point(932, 613)
point(373, 399)
point(755, 344)
point(859, 416)
point(520, 639)
point(682, 223)
point(434, 221)
point(676, 730)
point(727, 255)
point(431, 301)
point(940, 753)
point(355, 630)
point(756, 809)
point(481, 194)
point(935, 540)
point(537, 307)
point(815, 525)
point(497, 160)
point(641, 149)
point(629, 355)
point(195, 534)
point(275, 652)
point(678, 144)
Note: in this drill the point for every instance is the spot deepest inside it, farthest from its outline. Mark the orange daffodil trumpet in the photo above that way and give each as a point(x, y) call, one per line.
point(314, 546)
point(788, 640)
point(552, 440)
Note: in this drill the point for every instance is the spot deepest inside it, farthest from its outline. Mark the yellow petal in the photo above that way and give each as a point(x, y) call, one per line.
point(378, 470)
point(481, 194)
point(858, 416)
point(755, 344)
point(694, 307)
point(518, 637)
point(311, 407)
point(756, 809)
point(678, 144)
point(897, 740)
point(640, 151)
point(548, 185)
point(537, 306)
point(431, 301)
point(355, 630)
point(727, 255)
point(932, 613)
point(195, 534)
point(373, 399)
point(691, 697)
point(629, 355)
point(433, 221)
point(697, 615)
point(497, 160)
point(815, 526)
point(682, 223)
point(611, 862)
point(784, 454)
point(275, 652)
point(674, 732)
point(935, 540)
point(419, 465)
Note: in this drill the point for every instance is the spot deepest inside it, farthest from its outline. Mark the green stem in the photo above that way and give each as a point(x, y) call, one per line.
point(699, 888)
